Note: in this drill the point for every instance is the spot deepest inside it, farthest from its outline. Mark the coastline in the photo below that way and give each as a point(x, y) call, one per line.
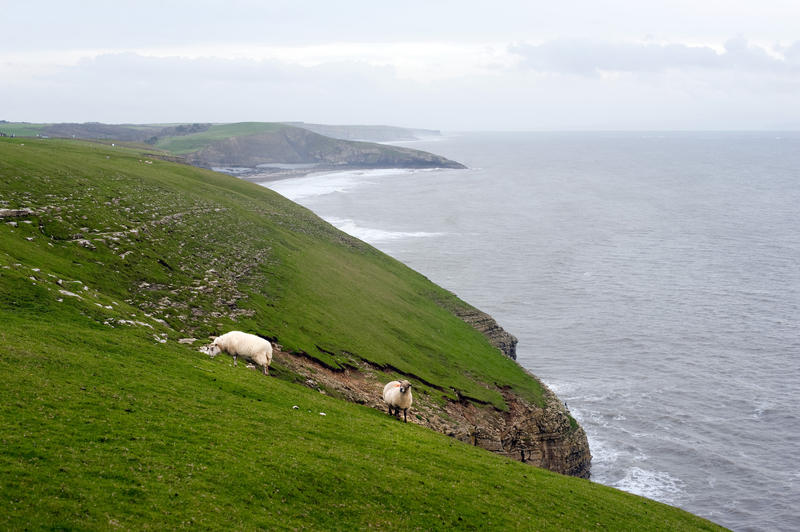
point(543, 435)
point(267, 174)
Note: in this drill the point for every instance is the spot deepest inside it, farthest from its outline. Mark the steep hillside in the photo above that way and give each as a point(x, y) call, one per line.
point(110, 262)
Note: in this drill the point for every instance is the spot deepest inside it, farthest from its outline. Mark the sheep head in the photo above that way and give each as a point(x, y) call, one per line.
point(213, 349)
point(404, 386)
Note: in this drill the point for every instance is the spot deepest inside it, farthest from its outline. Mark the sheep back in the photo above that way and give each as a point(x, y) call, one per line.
point(248, 346)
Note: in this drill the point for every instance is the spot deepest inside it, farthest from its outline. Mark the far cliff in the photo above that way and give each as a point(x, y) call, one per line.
point(250, 144)
point(278, 143)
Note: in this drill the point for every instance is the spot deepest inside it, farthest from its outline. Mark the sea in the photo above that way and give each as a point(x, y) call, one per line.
point(653, 281)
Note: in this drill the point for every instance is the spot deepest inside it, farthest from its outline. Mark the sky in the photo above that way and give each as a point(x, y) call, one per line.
point(440, 64)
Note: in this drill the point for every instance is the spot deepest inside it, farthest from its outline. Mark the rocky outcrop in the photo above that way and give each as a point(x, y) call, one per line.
point(294, 145)
point(482, 322)
point(16, 213)
point(486, 325)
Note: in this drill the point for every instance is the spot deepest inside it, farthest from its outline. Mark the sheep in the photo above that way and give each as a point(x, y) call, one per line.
point(248, 346)
point(397, 395)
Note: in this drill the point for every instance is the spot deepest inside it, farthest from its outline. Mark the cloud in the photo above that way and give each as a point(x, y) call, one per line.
point(589, 58)
point(129, 67)
point(130, 87)
point(555, 85)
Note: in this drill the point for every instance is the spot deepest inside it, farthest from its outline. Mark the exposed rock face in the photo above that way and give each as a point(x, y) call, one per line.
point(541, 436)
point(485, 324)
point(300, 146)
point(16, 213)
point(497, 336)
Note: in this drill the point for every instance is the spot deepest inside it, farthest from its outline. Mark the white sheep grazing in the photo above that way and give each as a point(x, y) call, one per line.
point(248, 346)
point(397, 395)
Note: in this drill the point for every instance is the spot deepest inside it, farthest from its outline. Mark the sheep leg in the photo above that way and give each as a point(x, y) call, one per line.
point(404, 415)
point(266, 370)
point(234, 360)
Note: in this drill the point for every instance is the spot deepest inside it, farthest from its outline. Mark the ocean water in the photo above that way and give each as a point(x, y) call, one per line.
point(653, 281)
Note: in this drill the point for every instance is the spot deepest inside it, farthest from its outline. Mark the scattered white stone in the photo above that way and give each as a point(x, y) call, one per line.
point(134, 322)
point(295, 407)
point(187, 340)
point(68, 293)
point(60, 300)
point(323, 414)
point(35, 269)
point(29, 238)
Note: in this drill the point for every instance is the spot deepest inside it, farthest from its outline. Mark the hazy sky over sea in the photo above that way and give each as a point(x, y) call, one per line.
point(453, 65)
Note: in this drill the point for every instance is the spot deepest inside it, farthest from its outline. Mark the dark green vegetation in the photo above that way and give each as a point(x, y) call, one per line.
point(106, 420)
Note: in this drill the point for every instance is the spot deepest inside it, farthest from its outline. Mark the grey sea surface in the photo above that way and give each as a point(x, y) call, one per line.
point(653, 281)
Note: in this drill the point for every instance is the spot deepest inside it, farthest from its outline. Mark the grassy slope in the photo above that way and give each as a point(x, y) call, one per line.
point(103, 424)
point(100, 429)
point(189, 143)
point(317, 290)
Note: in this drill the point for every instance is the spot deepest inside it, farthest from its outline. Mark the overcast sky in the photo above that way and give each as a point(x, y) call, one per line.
point(450, 65)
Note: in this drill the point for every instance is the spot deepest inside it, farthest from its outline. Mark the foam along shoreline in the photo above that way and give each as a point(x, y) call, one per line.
point(375, 236)
point(317, 184)
point(268, 172)
point(321, 183)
